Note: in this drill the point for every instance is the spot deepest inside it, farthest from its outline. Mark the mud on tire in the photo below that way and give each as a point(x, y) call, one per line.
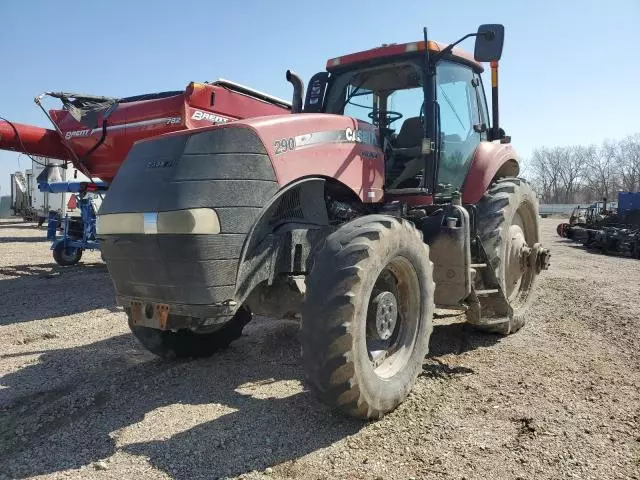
point(367, 259)
point(507, 202)
point(188, 344)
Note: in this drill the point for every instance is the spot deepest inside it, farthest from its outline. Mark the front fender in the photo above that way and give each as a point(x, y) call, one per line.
point(490, 161)
point(300, 203)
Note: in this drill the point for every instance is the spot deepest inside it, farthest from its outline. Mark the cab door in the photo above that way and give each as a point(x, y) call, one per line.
point(462, 126)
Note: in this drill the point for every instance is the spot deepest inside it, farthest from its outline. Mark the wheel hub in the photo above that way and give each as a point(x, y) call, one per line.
point(384, 314)
point(517, 258)
point(539, 258)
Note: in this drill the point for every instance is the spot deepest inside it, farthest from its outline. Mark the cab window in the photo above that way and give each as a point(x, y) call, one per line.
point(361, 103)
point(364, 93)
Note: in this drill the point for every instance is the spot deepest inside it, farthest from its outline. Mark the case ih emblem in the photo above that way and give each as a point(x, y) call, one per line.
point(348, 135)
point(360, 136)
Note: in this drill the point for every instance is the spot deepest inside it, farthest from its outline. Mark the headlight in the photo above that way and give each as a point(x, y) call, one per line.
point(193, 221)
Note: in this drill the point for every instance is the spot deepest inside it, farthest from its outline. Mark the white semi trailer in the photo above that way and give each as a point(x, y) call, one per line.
point(33, 205)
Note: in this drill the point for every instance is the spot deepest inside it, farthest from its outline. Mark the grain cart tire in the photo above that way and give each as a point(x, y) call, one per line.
point(187, 343)
point(366, 318)
point(507, 222)
point(68, 256)
point(562, 229)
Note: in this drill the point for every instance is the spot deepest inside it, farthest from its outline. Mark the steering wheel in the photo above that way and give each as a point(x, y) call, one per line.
point(391, 116)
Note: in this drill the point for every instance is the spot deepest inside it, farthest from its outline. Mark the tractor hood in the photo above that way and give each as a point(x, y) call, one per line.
point(332, 146)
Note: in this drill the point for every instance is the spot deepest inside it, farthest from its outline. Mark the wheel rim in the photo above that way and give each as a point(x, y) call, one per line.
point(393, 318)
point(69, 254)
point(518, 271)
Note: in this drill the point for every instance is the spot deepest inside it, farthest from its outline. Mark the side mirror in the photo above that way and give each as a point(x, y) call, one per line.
point(489, 42)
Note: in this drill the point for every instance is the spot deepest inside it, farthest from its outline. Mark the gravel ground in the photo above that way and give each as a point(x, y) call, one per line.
point(79, 398)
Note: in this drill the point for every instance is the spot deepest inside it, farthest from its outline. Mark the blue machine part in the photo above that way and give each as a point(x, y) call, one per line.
point(628, 201)
point(73, 187)
point(52, 225)
point(79, 234)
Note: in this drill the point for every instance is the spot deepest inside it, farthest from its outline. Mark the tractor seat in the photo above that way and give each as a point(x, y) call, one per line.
point(409, 138)
point(406, 161)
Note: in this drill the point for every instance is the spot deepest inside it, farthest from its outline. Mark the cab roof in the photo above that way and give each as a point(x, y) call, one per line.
point(401, 49)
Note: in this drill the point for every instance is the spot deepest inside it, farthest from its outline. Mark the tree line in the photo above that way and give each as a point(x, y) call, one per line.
point(580, 174)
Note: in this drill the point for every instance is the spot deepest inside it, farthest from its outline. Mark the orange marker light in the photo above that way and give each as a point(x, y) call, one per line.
point(494, 73)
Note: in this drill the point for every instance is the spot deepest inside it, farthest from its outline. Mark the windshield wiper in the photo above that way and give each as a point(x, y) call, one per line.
point(444, 94)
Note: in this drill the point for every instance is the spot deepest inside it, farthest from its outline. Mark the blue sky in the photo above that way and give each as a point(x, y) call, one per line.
point(568, 72)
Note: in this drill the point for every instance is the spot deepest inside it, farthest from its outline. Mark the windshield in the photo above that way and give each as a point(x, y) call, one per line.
point(366, 93)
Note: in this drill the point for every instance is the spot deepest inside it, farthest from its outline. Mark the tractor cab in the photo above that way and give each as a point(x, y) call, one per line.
point(427, 104)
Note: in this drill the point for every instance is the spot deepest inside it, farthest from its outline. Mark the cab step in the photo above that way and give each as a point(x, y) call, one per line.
point(488, 292)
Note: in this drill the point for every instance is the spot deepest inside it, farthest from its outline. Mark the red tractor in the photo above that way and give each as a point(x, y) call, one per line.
point(385, 193)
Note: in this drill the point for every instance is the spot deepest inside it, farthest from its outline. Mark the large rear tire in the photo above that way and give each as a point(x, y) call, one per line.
point(366, 318)
point(508, 222)
point(187, 343)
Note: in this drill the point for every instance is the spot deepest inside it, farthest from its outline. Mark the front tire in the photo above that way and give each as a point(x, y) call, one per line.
point(187, 343)
point(366, 318)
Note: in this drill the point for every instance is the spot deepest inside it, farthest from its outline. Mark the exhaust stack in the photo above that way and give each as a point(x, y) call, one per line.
point(298, 87)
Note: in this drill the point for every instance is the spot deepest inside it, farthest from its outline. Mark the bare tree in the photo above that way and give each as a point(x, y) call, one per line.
point(601, 172)
point(578, 173)
point(545, 168)
point(571, 168)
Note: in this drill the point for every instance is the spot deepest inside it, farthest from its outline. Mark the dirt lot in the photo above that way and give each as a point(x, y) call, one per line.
point(79, 398)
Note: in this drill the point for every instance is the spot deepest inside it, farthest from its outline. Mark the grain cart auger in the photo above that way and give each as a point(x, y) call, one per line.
point(95, 133)
point(386, 192)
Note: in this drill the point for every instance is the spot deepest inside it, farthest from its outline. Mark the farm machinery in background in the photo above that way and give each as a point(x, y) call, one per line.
point(78, 233)
point(387, 191)
point(609, 228)
point(582, 218)
point(31, 203)
point(93, 135)
point(21, 198)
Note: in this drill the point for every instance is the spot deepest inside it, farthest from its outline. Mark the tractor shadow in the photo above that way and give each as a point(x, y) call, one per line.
point(243, 409)
point(23, 239)
point(18, 224)
point(450, 340)
point(40, 291)
point(603, 253)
